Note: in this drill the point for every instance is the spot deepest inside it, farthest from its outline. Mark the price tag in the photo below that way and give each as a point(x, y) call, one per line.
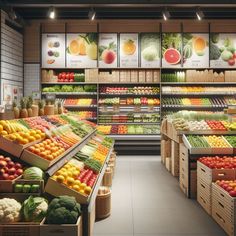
point(50, 96)
point(8, 107)
point(137, 109)
point(150, 108)
point(116, 108)
point(36, 95)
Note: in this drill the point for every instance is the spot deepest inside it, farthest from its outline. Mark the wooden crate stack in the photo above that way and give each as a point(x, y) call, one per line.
point(205, 177)
point(223, 209)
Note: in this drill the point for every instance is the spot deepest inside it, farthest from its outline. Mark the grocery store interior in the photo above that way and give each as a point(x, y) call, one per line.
point(117, 118)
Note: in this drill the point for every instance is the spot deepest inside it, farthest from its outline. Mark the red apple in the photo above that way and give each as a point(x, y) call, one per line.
point(10, 164)
point(2, 171)
point(108, 56)
point(5, 176)
point(2, 158)
point(11, 177)
point(19, 171)
point(7, 159)
point(18, 166)
point(232, 193)
point(3, 164)
point(12, 171)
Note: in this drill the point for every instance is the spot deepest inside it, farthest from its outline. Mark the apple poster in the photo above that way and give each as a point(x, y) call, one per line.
point(195, 50)
point(53, 50)
point(107, 50)
point(81, 50)
point(128, 50)
point(150, 50)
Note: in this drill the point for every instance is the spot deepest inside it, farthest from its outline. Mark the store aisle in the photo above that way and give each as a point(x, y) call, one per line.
point(147, 201)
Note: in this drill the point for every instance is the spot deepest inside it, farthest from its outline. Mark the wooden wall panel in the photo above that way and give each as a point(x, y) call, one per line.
point(195, 26)
point(54, 27)
point(78, 26)
point(171, 26)
point(224, 26)
point(32, 43)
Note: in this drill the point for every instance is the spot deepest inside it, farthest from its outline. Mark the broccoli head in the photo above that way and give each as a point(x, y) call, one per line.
point(63, 210)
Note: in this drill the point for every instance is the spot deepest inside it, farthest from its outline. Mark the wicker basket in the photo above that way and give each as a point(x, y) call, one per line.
point(107, 177)
point(103, 203)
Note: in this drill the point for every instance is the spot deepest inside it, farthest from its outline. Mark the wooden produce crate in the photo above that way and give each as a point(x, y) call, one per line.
point(209, 175)
point(44, 164)
point(223, 209)
point(188, 187)
point(14, 148)
point(165, 149)
point(65, 229)
point(103, 203)
point(168, 164)
point(204, 195)
point(164, 127)
point(6, 186)
point(20, 229)
point(172, 133)
point(174, 158)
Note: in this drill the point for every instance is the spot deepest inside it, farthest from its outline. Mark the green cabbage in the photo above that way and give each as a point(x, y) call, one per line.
point(33, 173)
point(150, 53)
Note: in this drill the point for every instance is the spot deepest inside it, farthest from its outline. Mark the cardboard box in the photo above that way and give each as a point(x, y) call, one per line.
point(149, 76)
point(141, 76)
point(134, 76)
point(156, 76)
point(65, 229)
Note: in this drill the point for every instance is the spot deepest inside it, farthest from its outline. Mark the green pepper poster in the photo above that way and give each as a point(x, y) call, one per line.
point(222, 50)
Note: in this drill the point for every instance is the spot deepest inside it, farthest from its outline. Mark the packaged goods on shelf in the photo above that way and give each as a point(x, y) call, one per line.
point(230, 76)
point(91, 75)
point(49, 76)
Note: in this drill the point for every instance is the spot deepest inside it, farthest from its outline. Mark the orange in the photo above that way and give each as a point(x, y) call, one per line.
point(74, 47)
point(129, 47)
point(199, 44)
point(76, 187)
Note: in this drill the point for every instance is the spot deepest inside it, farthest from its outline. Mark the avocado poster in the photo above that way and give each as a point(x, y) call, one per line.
point(222, 50)
point(129, 50)
point(195, 50)
point(53, 50)
point(150, 50)
point(81, 50)
point(107, 50)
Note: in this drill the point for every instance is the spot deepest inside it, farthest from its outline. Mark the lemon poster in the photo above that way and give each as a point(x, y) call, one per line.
point(107, 50)
point(150, 50)
point(222, 50)
point(53, 50)
point(81, 50)
point(171, 50)
point(195, 50)
point(128, 50)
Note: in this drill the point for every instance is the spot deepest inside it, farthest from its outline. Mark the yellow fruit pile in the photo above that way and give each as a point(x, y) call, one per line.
point(26, 137)
point(216, 141)
point(11, 126)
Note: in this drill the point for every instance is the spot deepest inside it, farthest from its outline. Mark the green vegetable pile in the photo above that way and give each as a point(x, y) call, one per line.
point(93, 164)
point(197, 141)
point(231, 140)
point(27, 188)
point(63, 210)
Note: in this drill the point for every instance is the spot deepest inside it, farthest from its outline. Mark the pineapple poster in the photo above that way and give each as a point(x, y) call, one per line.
point(129, 50)
point(195, 50)
point(81, 50)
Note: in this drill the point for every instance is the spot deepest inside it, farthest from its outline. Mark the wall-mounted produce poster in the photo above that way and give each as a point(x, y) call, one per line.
point(195, 50)
point(150, 50)
point(53, 50)
point(222, 50)
point(171, 50)
point(81, 50)
point(129, 50)
point(107, 50)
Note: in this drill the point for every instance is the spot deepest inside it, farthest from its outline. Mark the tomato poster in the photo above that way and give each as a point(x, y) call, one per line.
point(107, 50)
point(128, 50)
point(150, 50)
point(171, 50)
point(81, 50)
point(222, 50)
point(53, 50)
point(195, 50)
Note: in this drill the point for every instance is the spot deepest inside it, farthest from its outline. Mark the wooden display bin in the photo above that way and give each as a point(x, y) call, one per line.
point(65, 229)
point(204, 195)
point(189, 188)
point(107, 177)
point(165, 149)
point(14, 148)
point(172, 132)
point(174, 158)
point(168, 164)
point(6, 186)
point(223, 209)
point(20, 229)
point(209, 175)
point(164, 127)
point(103, 203)
point(56, 189)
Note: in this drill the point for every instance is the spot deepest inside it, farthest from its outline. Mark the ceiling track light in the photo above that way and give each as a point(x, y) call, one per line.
point(52, 13)
point(199, 14)
point(92, 14)
point(12, 14)
point(165, 14)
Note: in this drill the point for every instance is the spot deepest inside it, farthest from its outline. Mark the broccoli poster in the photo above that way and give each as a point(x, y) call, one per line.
point(53, 50)
point(222, 50)
point(128, 50)
point(195, 50)
point(150, 50)
point(171, 50)
point(81, 50)
point(107, 50)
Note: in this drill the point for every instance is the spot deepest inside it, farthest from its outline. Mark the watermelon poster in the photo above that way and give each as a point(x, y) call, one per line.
point(195, 50)
point(150, 50)
point(53, 50)
point(171, 50)
point(81, 50)
point(107, 50)
point(128, 50)
point(222, 50)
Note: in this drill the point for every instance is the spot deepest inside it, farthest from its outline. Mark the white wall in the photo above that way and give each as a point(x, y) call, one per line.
point(31, 78)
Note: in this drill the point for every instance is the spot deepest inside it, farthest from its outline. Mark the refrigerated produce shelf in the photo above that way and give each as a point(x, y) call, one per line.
point(70, 93)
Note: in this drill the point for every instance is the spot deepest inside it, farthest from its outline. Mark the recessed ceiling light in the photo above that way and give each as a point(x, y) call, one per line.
point(199, 14)
point(165, 14)
point(52, 13)
point(91, 14)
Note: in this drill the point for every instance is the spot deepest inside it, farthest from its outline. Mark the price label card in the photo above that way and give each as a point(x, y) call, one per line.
point(116, 108)
point(150, 108)
point(8, 107)
point(137, 109)
point(50, 97)
point(36, 95)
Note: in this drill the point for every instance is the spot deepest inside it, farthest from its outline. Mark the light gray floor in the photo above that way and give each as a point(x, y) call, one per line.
point(147, 201)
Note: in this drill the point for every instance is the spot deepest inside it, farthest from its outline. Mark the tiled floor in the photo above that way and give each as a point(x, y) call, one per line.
point(147, 201)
